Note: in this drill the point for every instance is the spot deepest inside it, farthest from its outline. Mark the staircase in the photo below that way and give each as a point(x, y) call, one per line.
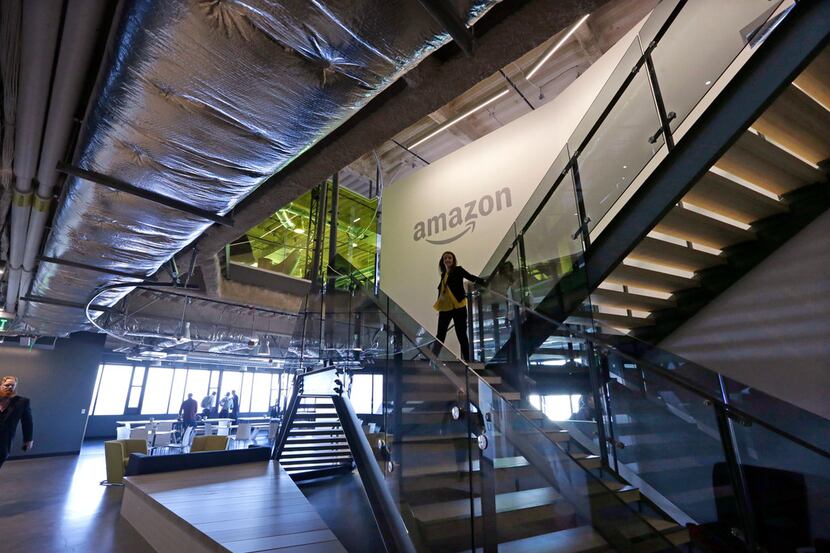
point(312, 443)
point(766, 187)
point(436, 466)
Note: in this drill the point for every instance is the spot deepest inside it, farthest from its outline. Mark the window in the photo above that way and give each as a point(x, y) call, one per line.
point(113, 389)
point(135, 387)
point(260, 393)
point(157, 391)
point(214, 382)
point(177, 391)
point(245, 394)
point(161, 390)
point(557, 407)
point(367, 393)
point(95, 390)
point(197, 384)
point(231, 380)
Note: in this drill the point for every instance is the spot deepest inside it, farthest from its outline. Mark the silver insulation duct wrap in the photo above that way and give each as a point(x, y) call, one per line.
point(201, 101)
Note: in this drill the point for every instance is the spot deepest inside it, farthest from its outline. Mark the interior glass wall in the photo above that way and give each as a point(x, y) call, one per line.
point(284, 242)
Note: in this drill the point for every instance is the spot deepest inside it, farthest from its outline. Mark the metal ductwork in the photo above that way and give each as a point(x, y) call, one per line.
point(199, 101)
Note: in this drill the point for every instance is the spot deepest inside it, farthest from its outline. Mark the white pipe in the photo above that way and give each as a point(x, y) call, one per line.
point(83, 17)
point(39, 34)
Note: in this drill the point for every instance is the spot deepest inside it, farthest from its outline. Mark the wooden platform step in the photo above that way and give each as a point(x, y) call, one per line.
point(621, 321)
point(799, 124)
point(638, 277)
point(627, 300)
point(525, 500)
point(582, 539)
point(700, 229)
point(730, 199)
point(815, 79)
point(662, 252)
point(179, 511)
point(439, 379)
point(762, 163)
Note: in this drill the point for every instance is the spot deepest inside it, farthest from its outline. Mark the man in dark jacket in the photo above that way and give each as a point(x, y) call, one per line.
point(187, 412)
point(235, 410)
point(14, 409)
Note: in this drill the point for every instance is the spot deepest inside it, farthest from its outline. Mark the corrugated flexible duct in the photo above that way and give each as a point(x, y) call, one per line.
point(201, 101)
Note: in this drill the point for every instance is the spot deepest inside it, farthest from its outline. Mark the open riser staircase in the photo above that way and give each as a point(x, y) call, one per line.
point(768, 185)
point(436, 467)
point(312, 443)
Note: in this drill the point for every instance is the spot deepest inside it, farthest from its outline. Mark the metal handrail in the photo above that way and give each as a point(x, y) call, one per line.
point(385, 510)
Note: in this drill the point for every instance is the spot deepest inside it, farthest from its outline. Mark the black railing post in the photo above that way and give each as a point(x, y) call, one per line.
point(596, 396)
point(470, 327)
point(481, 425)
point(480, 306)
point(736, 477)
point(665, 118)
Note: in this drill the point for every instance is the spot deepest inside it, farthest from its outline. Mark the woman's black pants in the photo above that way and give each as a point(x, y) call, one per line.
point(459, 318)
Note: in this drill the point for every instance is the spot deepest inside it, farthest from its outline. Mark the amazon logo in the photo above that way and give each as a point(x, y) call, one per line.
point(450, 226)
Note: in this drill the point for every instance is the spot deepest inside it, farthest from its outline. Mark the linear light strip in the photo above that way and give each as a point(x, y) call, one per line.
point(553, 50)
point(464, 115)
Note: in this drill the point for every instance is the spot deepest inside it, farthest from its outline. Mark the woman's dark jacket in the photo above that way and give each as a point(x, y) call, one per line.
point(455, 282)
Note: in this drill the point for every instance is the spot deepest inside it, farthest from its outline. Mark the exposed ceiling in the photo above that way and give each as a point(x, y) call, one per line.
point(202, 101)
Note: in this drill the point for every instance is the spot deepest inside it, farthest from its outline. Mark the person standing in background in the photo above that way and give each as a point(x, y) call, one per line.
point(223, 405)
point(207, 404)
point(187, 412)
point(235, 409)
point(14, 409)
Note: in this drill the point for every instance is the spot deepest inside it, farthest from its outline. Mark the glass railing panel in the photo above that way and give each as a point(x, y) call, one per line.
point(786, 417)
point(628, 138)
point(658, 18)
point(555, 485)
point(698, 47)
point(668, 437)
point(508, 245)
point(609, 90)
point(551, 244)
point(787, 487)
point(426, 450)
point(494, 316)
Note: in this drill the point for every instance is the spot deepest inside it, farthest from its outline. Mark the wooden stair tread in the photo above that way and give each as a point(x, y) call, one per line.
point(654, 250)
point(627, 300)
point(700, 229)
point(638, 277)
point(505, 502)
point(730, 199)
point(815, 79)
point(441, 379)
point(756, 160)
point(622, 321)
point(582, 539)
point(799, 124)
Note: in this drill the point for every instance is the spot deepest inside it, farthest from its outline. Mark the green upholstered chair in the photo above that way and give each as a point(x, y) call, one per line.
point(209, 443)
point(116, 455)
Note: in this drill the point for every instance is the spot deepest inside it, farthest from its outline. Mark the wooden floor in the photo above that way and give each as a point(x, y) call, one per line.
point(247, 508)
point(55, 505)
